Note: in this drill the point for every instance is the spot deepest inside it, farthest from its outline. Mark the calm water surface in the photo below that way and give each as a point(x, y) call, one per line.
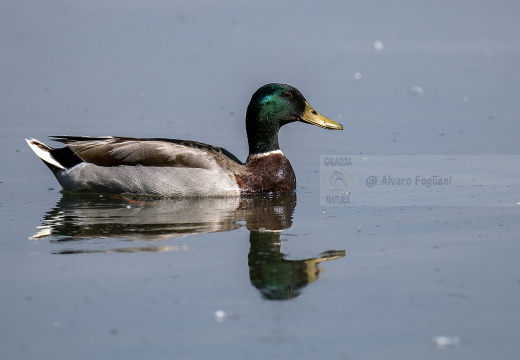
point(119, 277)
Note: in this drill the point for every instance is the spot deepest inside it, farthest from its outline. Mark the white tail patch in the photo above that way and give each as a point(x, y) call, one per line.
point(42, 151)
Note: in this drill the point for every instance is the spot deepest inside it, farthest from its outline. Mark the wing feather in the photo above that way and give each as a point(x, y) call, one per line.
point(114, 151)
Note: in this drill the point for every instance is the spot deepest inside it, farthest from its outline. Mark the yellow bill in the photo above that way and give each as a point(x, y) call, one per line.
point(311, 116)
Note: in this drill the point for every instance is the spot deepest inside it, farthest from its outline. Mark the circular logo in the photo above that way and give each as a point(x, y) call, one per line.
point(338, 181)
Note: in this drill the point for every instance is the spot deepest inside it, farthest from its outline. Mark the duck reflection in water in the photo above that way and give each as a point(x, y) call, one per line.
point(276, 277)
point(130, 220)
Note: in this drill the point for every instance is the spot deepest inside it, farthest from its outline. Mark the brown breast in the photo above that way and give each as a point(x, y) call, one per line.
point(267, 173)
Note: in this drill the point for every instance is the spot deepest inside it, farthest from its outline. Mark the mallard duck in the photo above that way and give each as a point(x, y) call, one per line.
point(171, 167)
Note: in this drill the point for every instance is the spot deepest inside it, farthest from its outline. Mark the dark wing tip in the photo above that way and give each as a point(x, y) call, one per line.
point(65, 139)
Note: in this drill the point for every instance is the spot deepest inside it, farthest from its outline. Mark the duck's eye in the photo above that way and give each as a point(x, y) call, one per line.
point(287, 94)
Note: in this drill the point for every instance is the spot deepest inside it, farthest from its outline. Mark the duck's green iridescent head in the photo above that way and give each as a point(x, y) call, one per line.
point(274, 105)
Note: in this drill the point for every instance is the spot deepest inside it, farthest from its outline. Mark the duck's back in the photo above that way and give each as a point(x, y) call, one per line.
point(166, 167)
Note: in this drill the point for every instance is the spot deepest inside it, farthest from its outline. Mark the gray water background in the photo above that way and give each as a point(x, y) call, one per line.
point(425, 282)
